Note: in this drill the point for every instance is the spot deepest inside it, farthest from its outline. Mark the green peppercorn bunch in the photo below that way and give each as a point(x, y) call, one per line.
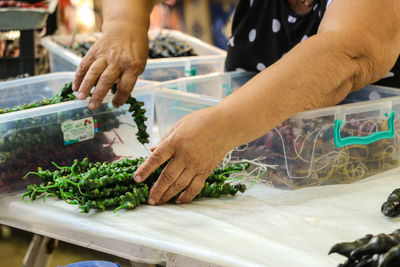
point(382, 250)
point(138, 115)
point(65, 94)
point(104, 186)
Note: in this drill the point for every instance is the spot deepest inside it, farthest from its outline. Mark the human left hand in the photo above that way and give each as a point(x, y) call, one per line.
point(194, 146)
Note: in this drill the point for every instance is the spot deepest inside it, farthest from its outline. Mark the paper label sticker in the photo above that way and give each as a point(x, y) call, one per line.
point(79, 130)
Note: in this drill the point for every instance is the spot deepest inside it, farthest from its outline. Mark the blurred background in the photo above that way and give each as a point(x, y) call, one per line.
point(206, 20)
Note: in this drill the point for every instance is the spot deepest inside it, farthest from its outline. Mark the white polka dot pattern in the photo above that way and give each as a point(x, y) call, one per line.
point(240, 69)
point(251, 2)
point(304, 37)
point(315, 7)
point(252, 35)
point(291, 19)
point(260, 66)
point(374, 95)
point(276, 25)
point(231, 41)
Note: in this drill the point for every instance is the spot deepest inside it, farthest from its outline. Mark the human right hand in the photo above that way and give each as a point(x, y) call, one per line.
point(195, 145)
point(118, 56)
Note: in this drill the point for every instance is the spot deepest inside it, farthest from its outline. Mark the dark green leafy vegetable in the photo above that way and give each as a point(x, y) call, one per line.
point(95, 185)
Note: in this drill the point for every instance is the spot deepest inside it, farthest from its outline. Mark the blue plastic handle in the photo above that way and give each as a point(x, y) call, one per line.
point(362, 140)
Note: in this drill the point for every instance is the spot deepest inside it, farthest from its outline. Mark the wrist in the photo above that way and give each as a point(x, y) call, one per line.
point(225, 126)
point(127, 15)
point(125, 27)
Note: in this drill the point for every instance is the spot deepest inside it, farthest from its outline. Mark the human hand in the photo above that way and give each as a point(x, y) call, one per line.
point(194, 146)
point(118, 56)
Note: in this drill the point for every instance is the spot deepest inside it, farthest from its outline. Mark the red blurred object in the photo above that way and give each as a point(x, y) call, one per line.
point(167, 15)
point(11, 3)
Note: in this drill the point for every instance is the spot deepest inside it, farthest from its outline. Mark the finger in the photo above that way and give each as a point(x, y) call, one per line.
point(105, 82)
point(167, 177)
point(178, 186)
point(125, 87)
point(158, 157)
point(192, 190)
point(83, 67)
point(91, 77)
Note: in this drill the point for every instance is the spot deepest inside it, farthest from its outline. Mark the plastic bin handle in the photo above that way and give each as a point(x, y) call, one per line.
point(362, 140)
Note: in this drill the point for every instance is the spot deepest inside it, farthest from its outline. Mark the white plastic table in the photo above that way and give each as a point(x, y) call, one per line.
point(262, 227)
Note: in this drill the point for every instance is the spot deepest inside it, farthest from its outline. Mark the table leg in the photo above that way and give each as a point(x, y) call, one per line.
point(40, 251)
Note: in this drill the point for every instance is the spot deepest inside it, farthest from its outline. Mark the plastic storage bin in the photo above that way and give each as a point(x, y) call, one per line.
point(213, 84)
point(209, 59)
point(39, 136)
point(311, 148)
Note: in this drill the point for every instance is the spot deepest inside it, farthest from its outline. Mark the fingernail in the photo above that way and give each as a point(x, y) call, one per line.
point(92, 105)
point(73, 87)
point(80, 96)
point(138, 178)
point(178, 202)
point(152, 201)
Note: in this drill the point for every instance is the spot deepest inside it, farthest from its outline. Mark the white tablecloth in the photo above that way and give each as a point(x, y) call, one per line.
point(262, 227)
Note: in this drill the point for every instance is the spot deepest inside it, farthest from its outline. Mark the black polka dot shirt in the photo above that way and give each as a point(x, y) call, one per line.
point(265, 30)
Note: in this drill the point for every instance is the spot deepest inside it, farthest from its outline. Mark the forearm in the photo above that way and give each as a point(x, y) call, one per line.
point(128, 14)
point(318, 72)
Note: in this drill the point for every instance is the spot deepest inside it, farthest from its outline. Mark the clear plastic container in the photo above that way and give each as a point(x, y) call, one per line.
point(209, 59)
point(307, 149)
point(39, 136)
point(213, 84)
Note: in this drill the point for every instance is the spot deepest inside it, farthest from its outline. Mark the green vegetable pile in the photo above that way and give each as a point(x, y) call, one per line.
point(65, 94)
point(107, 185)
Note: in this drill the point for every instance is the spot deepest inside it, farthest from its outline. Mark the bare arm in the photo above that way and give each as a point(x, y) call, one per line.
point(357, 43)
point(351, 50)
point(119, 55)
